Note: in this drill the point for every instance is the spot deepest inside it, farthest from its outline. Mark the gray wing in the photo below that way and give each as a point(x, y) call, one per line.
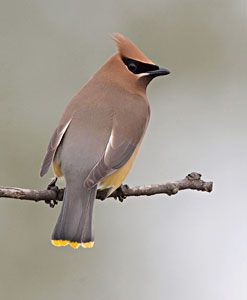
point(118, 151)
point(52, 147)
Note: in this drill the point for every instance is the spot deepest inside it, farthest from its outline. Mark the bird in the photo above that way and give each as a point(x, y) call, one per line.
point(98, 138)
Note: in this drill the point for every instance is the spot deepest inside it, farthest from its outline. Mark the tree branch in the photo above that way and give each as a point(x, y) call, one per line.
point(192, 181)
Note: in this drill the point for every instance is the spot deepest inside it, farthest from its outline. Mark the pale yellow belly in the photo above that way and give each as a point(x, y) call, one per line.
point(57, 169)
point(114, 180)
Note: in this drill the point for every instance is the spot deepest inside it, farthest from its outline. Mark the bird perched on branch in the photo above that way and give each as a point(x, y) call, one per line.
point(98, 138)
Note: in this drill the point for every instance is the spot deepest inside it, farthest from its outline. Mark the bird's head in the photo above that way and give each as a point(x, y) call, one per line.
point(133, 63)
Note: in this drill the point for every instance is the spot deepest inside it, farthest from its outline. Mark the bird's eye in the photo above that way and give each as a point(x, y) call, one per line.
point(132, 67)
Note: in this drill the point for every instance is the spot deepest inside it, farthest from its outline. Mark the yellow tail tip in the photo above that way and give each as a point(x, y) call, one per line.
point(74, 245)
point(88, 244)
point(59, 243)
point(62, 243)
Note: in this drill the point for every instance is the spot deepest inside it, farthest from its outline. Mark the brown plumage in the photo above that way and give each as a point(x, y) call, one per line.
point(98, 138)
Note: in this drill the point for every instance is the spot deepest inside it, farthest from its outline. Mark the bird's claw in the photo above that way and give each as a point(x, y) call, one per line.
point(52, 187)
point(120, 195)
point(52, 203)
point(52, 184)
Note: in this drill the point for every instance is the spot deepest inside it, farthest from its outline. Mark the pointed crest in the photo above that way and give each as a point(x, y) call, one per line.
point(128, 49)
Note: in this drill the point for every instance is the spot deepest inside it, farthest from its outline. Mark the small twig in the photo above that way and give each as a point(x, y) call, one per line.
point(192, 182)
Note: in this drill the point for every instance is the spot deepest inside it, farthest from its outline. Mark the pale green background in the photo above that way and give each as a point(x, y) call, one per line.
point(190, 246)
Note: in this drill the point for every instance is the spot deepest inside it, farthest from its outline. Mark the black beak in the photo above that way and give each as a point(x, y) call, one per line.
point(159, 72)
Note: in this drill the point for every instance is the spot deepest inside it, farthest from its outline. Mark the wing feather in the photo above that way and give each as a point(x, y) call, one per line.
point(118, 151)
point(52, 147)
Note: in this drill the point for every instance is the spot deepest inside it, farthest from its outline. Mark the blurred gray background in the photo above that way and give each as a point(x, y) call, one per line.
point(190, 246)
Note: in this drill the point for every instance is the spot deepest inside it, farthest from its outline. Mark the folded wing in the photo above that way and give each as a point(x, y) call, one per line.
point(52, 147)
point(121, 146)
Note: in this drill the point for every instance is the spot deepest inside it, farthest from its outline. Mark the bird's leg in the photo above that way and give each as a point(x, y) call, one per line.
point(120, 195)
point(103, 194)
point(52, 186)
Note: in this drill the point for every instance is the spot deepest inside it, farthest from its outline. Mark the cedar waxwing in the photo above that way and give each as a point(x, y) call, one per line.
point(98, 138)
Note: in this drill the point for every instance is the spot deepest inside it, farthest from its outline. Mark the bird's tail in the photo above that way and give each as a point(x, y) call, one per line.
point(75, 223)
